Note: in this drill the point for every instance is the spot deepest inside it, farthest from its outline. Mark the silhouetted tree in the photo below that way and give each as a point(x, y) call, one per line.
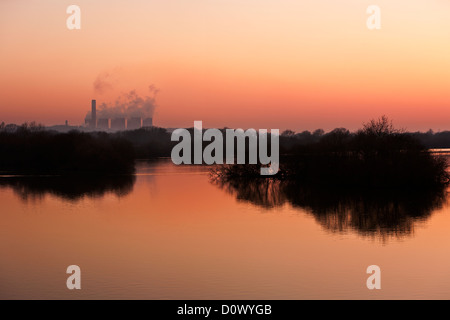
point(318, 133)
point(288, 133)
point(381, 127)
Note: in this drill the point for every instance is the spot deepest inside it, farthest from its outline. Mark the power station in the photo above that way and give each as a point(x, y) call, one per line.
point(94, 114)
point(117, 123)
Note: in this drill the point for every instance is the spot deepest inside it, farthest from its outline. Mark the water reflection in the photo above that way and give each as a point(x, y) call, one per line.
point(376, 213)
point(68, 188)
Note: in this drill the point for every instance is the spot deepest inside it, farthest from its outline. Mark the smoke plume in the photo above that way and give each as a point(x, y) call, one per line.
point(103, 83)
point(129, 105)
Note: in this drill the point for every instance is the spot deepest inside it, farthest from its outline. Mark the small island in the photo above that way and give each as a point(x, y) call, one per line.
point(376, 156)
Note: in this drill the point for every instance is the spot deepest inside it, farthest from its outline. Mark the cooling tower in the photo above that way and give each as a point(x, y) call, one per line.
point(118, 124)
point(148, 122)
point(94, 114)
point(103, 123)
point(134, 123)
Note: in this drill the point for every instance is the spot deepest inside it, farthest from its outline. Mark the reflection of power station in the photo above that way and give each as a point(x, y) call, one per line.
point(116, 123)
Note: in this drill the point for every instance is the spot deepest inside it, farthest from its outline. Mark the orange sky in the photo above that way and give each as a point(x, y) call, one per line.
point(236, 63)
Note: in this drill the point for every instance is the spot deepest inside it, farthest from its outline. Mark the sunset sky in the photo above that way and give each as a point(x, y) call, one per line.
point(281, 64)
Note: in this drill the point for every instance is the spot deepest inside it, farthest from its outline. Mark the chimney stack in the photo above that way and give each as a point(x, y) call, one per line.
point(94, 114)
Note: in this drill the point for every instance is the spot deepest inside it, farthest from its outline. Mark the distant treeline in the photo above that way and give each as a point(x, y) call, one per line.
point(32, 150)
point(148, 143)
point(155, 142)
point(376, 155)
point(433, 140)
point(429, 139)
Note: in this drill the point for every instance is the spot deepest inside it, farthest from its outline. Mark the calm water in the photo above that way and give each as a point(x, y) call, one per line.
point(174, 233)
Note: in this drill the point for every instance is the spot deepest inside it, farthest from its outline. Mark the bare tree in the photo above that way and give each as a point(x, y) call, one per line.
point(380, 127)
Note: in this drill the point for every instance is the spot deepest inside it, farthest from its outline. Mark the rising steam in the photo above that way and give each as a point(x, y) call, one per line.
point(103, 83)
point(129, 105)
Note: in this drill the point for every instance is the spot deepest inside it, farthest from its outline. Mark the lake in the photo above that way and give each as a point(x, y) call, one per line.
point(173, 232)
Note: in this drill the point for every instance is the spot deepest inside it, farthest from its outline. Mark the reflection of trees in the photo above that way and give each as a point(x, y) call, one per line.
point(265, 192)
point(70, 187)
point(377, 213)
